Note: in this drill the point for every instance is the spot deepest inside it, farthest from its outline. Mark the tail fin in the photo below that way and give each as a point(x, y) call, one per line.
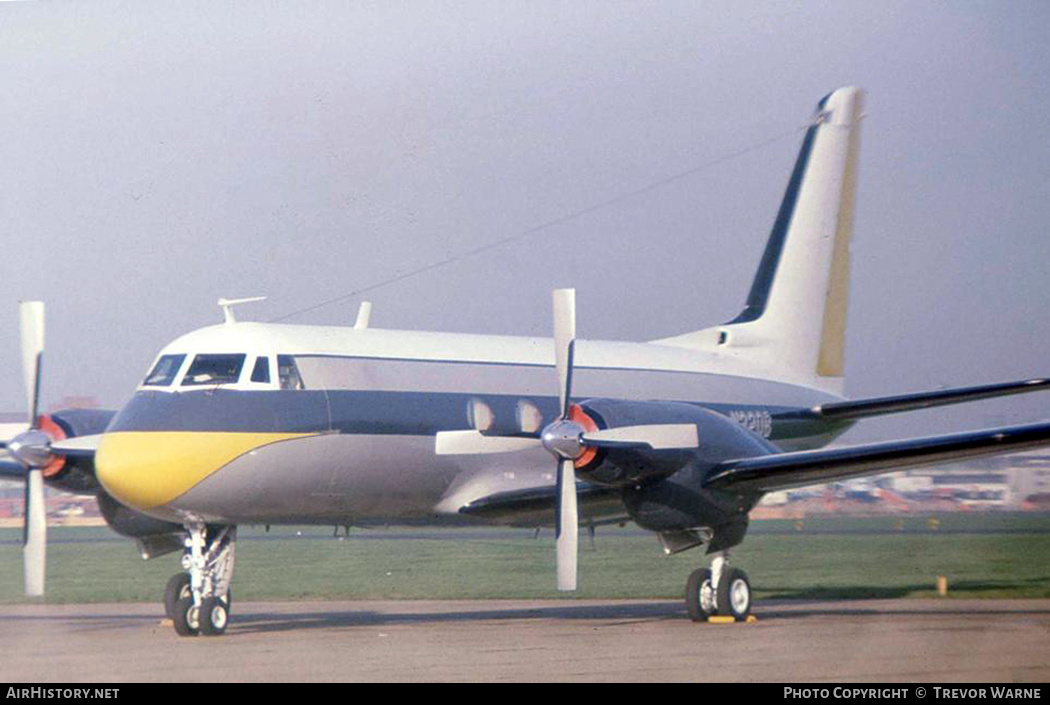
point(794, 321)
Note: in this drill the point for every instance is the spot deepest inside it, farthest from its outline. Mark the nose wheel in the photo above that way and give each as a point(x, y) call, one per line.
point(177, 588)
point(719, 591)
point(198, 601)
point(186, 617)
point(212, 616)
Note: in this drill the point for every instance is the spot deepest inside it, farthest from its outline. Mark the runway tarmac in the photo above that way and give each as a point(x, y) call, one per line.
point(564, 640)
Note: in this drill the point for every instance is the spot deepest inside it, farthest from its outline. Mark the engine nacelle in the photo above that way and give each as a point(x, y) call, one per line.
point(73, 474)
point(663, 490)
point(720, 438)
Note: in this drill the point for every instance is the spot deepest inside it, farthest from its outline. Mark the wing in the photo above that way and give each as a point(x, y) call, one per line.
point(535, 506)
point(863, 408)
point(783, 470)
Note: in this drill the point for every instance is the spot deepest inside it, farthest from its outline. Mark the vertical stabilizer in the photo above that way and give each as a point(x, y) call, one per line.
point(794, 321)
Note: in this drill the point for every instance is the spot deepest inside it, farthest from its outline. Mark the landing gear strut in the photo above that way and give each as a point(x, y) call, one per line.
point(720, 590)
point(198, 601)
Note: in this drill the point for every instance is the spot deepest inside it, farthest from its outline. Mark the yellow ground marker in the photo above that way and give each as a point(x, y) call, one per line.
point(726, 619)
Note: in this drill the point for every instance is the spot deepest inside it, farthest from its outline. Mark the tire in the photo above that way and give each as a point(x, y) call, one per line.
point(734, 594)
point(214, 616)
point(178, 587)
point(186, 617)
point(699, 598)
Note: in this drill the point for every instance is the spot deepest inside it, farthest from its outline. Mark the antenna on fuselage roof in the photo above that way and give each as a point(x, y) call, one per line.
point(228, 304)
point(364, 313)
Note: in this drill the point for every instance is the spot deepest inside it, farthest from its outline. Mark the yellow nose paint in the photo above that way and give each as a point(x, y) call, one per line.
point(146, 469)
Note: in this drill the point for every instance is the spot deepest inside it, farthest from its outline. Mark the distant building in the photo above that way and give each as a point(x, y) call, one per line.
point(76, 402)
point(1017, 481)
point(1031, 478)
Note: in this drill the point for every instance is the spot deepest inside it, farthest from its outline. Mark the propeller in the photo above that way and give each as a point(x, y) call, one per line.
point(569, 438)
point(31, 449)
point(562, 438)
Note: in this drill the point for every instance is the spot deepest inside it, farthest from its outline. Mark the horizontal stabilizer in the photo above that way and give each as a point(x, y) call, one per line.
point(785, 470)
point(863, 408)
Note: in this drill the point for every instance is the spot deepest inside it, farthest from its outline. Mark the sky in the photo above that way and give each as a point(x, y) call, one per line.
point(158, 156)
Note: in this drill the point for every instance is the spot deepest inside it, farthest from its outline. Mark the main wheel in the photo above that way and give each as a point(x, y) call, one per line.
point(734, 594)
point(177, 588)
point(186, 617)
point(214, 615)
point(700, 595)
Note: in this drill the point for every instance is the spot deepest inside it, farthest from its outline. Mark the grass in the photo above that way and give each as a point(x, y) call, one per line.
point(982, 555)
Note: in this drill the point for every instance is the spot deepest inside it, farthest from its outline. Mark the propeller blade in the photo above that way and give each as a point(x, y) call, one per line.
point(9, 430)
point(568, 525)
point(31, 330)
point(655, 436)
point(77, 447)
point(474, 443)
point(564, 343)
point(34, 550)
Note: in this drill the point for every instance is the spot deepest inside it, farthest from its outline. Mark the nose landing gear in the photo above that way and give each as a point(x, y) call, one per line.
point(198, 601)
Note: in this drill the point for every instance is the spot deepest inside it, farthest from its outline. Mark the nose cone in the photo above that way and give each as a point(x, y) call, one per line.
point(148, 469)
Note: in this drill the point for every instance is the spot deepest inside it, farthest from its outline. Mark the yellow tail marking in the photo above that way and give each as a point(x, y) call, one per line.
point(831, 359)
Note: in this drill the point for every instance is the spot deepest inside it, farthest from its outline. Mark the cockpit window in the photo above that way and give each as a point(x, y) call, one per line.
point(214, 369)
point(288, 373)
point(261, 371)
point(163, 373)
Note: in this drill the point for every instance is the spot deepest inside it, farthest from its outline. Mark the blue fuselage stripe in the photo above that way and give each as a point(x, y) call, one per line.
point(366, 412)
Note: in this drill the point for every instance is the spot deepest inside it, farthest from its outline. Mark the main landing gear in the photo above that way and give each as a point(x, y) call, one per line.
point(198, 601)
point(720, 590)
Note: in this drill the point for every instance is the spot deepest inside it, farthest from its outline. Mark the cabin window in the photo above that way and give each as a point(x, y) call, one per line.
point(288, 373)
point(261, 371)
point(163, 373)
point(214, 369)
